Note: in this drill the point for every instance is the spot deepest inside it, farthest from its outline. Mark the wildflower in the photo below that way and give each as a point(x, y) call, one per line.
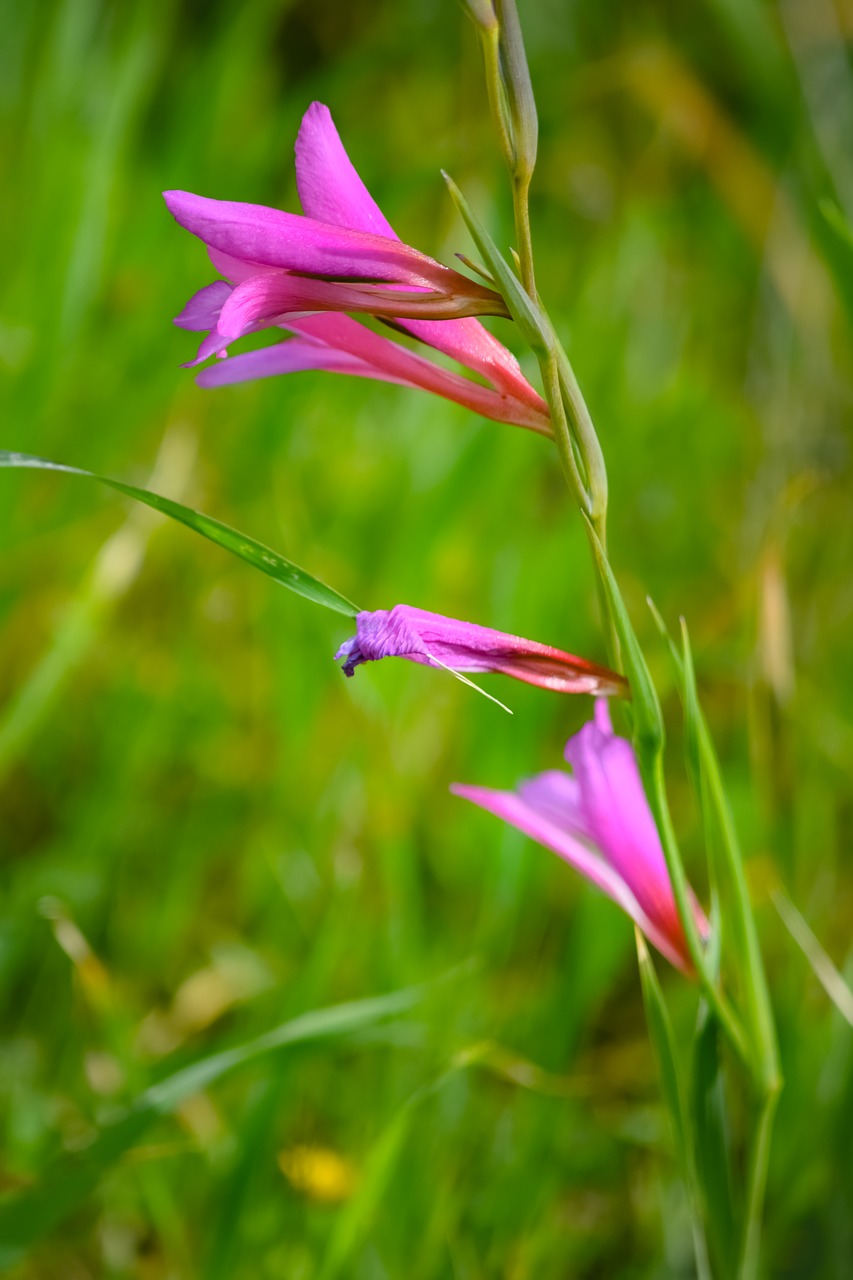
point(343, 256)
point(436, 641)
point(599, 821)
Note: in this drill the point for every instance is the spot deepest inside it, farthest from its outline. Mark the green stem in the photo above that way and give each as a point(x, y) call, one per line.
point(549, 368)
point(521, 208)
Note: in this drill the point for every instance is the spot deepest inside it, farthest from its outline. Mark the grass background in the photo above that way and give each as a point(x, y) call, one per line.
point(206, 831)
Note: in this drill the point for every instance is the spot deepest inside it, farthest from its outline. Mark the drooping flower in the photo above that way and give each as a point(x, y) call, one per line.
point(436, 641)
point(289, 271)
point(599, 821)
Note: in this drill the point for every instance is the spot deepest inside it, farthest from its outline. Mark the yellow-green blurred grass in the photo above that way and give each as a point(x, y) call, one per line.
point(237, 833)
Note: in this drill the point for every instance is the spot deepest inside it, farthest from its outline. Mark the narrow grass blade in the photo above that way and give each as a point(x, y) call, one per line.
point(379, 1169)
point(239, 544)
point(822, 967)
point(29, 1216)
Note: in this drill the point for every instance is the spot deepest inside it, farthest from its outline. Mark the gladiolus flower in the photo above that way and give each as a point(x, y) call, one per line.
point(436, 641)
point(291, 271)
point(599, 821)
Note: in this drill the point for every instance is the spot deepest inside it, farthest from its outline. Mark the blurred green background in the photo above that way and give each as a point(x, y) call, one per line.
point(207, 831)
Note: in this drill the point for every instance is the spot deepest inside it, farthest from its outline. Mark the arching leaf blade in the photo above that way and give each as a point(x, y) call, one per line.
point(248, 549)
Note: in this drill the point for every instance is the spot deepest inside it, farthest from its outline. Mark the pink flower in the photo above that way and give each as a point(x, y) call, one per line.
point(436, 641)
point(599, 821)
point(296, 272)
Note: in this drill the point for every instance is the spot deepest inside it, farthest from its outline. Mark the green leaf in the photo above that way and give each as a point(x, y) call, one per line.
point(73, 1176)
point(241, 545)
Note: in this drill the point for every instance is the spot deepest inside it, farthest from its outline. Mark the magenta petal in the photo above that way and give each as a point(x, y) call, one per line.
point(202, 310)
point(466, 646)
point(539, 824)
point(599, 820)
point(616, 807)
point(396, 363)
point(213, 345)
point(255, 303)
point(432, 639)
point(471, 344)
point(256, 234)
point(586, 859)
point(329, 188)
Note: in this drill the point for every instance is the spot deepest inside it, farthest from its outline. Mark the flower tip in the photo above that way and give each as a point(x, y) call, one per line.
point(353, 655)
point(315, 109)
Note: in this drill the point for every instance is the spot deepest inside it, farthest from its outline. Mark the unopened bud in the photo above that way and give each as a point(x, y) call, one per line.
point(519, 90)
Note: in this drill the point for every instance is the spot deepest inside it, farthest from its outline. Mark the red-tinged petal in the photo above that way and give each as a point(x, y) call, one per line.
point(398, 364)
point(469, 342)
point(331, 190)
point(538, 823)
point(431, 638)
point(255, 234)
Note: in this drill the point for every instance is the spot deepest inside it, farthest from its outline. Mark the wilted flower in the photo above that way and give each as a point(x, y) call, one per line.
point(599, 821)
point(436, 641)
point(343, 256)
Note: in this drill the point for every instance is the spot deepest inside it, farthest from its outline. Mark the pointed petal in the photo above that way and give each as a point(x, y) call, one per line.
point(329, 188)
point(514, 809)
point(617, 810)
